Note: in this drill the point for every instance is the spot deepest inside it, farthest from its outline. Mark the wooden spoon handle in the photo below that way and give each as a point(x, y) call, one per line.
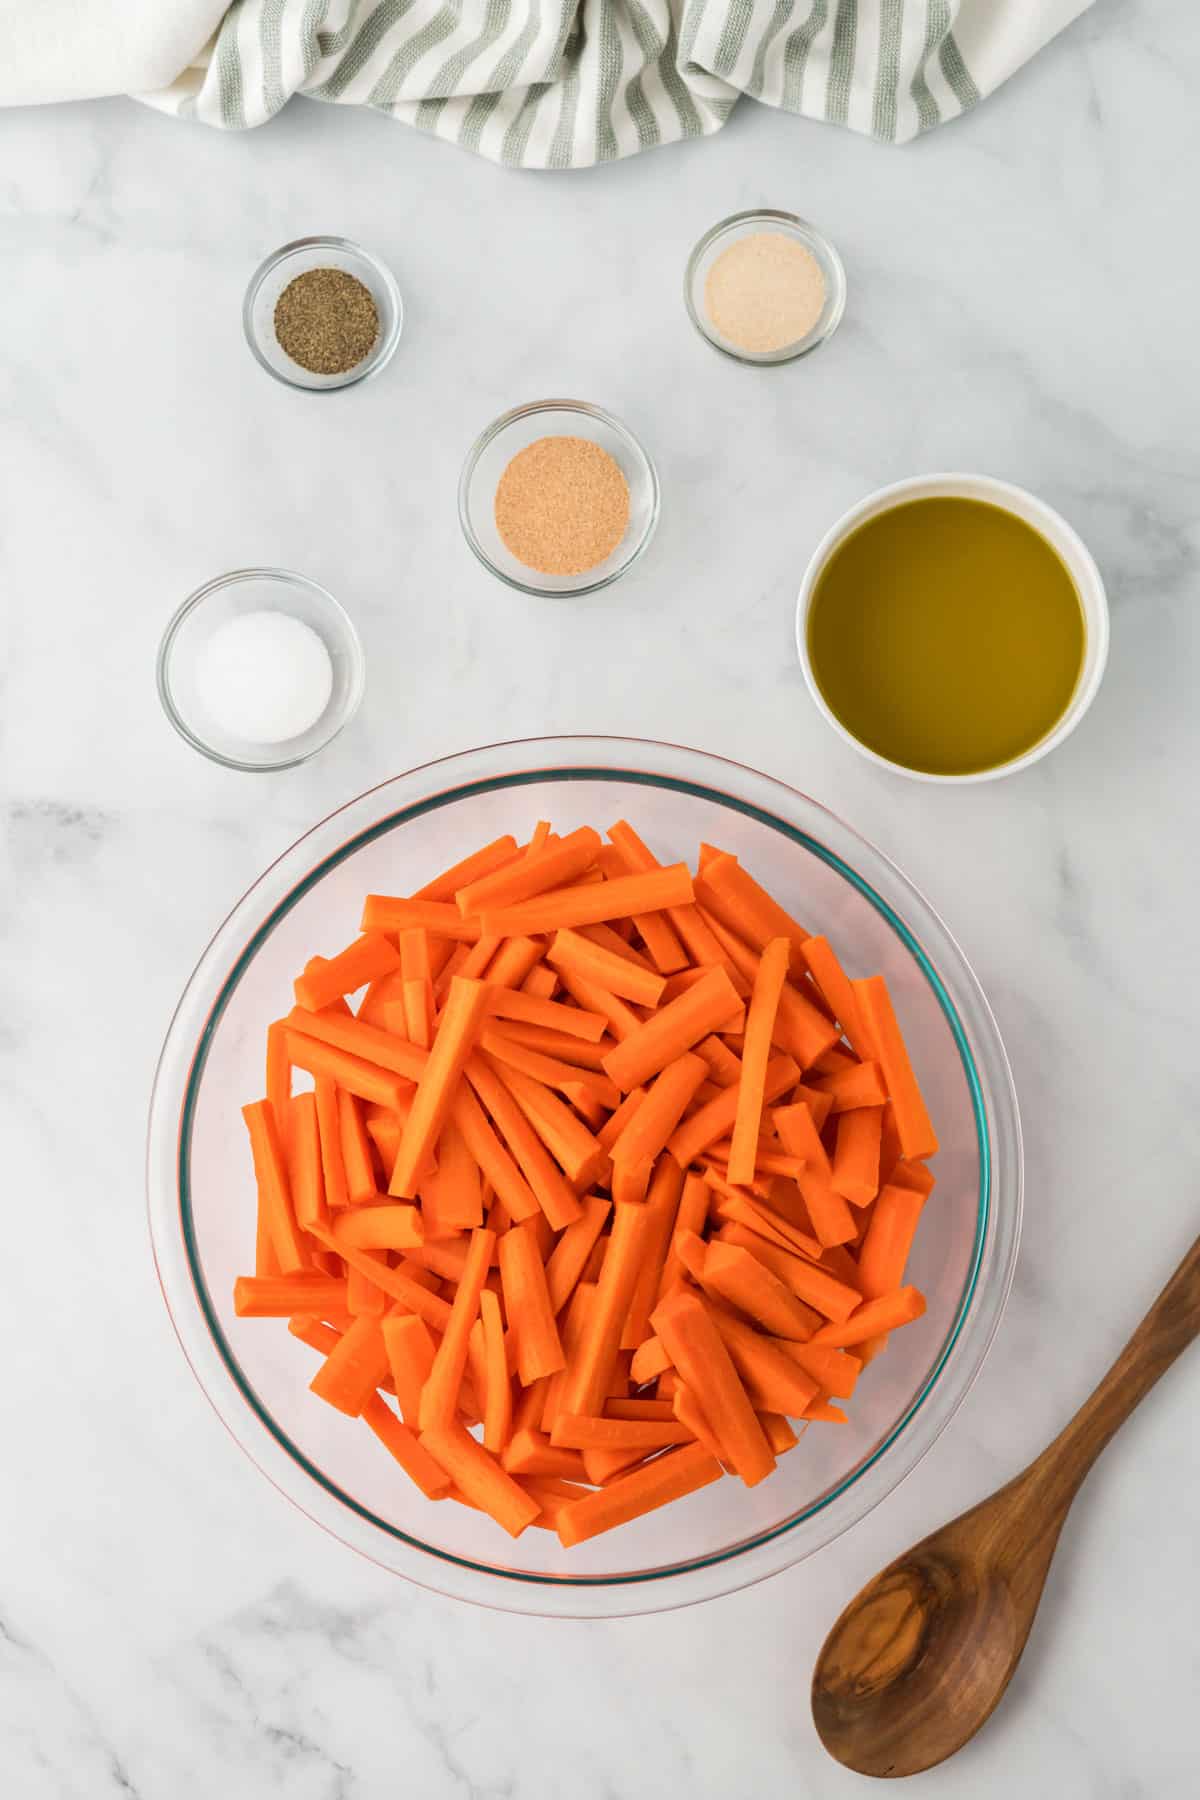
point(1167, 1330)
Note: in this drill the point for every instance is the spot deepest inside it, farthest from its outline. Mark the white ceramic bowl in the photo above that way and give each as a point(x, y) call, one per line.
point(1070, 547)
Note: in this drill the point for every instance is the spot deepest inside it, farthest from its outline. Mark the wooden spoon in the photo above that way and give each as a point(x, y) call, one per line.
point(921, 1658)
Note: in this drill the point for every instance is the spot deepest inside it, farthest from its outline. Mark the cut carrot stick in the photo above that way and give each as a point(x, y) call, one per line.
point(312, 1332)
point(774, 1381)
point(666, 1479)
point(856, 1158)
point(497, 1393)
point(589, 1375)
point(889, 1237)
point(385, 912)
point(650, 1360)
point(439, 1396)
point(368, 1080)
point(530, 1452)
point(778, 1260)
point(622, 1019)
point(527, 1305)
point(481, 1478)
point(662, 1205)
point(379, 1227)
point(913, 1124)
point(569, 1257)
point(357, 1157)
point(834, 1371)
point(354, 1367)
point(698, 1351)
point(380, 1050)
point(912, 1175)
point(540, 983)
point(709, 1123)
point(456, 1187)
point(568, 908)
point(724, 1068)
point(839, 994)
point(574, 1433)
point(542, 1174)
point(411, 1348)
point(662, 945)
point(527, 1008)
point(886, 1313)
point(568, 1078)
point(830, 1415)
point(584, 1055)
point(760, 1216)
point(739, 1277)
point(646, 1134)
point(638, 1409)
point(274, 1193)
point(402, 1443)
point(760, 1026)
point(747, 909)
point(368, 958)
point(279, 1296)
point(673, 1029)
point(778, 1432)
point(458, 1027)
point(859, 1085)
point(417, 1002)
point(687, 1409)
point(801, 1028)
point(279, 1079)
point(831, 1217)
point(819, 1105)
point(690, 1217)
point(327, 1097)
point(831, 1297)
point(555, 866)
point(398, 1283)
point(616, 974)
point(497, 1166)
point(481, 862)
point(513, 961)
point(305, 1174)
point(363, 1295)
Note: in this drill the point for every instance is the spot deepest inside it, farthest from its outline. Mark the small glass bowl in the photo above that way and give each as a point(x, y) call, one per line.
point(227, 597)
point(282, 267)
point(745, 224)
point(495, 448)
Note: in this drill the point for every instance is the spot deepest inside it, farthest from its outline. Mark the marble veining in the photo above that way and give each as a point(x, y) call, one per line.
point(1022, 300)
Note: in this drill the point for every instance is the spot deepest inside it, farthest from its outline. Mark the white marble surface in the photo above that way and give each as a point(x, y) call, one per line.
point(1022, 301)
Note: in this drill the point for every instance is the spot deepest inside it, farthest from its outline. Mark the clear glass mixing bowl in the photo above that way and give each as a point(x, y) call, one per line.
point(201, 1192)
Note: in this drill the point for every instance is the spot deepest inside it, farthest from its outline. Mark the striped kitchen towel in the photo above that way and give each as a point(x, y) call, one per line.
point(540, 84)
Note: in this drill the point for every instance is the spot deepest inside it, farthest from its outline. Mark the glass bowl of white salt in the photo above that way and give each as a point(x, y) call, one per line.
point(259, 669)
point(765, 287)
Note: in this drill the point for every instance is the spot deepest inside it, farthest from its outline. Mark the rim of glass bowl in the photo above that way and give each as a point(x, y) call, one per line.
point(587, 410)
point(682, 770)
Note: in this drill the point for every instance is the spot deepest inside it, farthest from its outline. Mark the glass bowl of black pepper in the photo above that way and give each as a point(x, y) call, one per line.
point(322, 314)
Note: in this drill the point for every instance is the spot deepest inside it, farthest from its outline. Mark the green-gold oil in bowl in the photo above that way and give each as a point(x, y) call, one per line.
point(947, 635)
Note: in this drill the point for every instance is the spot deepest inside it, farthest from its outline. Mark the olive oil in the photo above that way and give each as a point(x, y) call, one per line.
point(946, 635)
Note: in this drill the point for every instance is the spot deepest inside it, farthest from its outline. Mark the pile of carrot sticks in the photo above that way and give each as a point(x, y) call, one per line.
point(605, 1185)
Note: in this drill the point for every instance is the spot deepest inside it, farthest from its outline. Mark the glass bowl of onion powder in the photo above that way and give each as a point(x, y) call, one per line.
point(259, 669)
point(765, 287)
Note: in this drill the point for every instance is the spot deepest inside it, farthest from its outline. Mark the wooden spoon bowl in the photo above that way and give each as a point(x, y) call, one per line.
point(921, 1657)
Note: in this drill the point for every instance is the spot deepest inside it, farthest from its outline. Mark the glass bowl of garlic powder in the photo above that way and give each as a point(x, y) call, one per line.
point(765, 287)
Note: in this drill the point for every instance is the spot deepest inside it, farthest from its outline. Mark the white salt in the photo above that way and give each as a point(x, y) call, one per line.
point(264, 677)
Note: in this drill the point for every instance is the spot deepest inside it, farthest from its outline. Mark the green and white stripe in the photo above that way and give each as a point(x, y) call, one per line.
point(561, 84)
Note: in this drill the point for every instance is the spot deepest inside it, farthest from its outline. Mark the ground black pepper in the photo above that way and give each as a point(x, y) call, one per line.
point(326, 321)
